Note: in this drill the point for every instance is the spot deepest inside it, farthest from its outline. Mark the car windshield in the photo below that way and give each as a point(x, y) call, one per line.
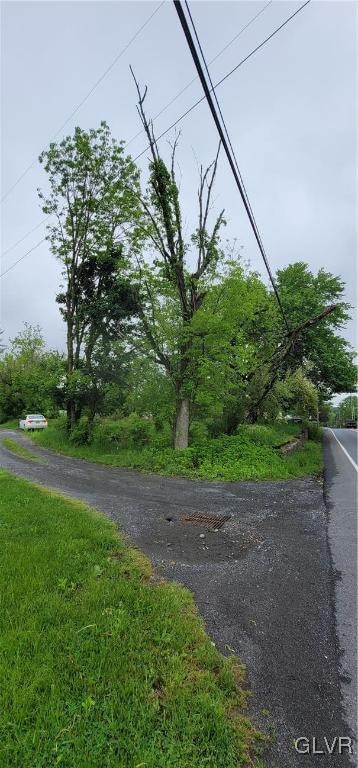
point(35, 416)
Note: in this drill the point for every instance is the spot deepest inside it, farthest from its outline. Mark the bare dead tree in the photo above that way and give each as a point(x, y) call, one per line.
point(162, 212)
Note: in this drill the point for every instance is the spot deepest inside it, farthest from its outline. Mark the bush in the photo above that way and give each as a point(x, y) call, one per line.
point(61, 423)
point(198, 432)
point(81, 433)
point(137, 430)
point(315, 432)
point(249, 455)
point(162, 438)
point(132, 431)
point(106, 434)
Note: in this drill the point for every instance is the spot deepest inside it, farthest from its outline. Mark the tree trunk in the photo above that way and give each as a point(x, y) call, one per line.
point(91, 417)
point(70, 405)
point(181, 435)
point(252, 416)
point(254, 409)
point(71, 415)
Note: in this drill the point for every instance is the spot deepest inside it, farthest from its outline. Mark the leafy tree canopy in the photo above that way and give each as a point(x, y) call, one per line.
point(29, 376)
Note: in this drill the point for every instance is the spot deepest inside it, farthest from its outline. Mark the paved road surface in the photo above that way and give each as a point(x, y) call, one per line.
point(341, 500)
point(263, 582)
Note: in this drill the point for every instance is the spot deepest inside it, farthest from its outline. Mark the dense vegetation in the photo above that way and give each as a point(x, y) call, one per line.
point(253, 453)
point(162, 326)
point(345, 411)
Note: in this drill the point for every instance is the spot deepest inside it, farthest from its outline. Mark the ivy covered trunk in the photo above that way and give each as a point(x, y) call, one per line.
point(172, 279)
point(181, 429)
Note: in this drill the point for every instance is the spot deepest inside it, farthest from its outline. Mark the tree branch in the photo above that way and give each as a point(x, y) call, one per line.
point(283, 354)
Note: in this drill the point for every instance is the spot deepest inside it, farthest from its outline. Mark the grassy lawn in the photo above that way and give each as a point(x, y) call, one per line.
point(102, 665)
point(13, 424)
point(251, 454)
point(13, 446)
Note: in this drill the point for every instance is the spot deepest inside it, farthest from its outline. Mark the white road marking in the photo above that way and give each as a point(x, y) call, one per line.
point(344, 450)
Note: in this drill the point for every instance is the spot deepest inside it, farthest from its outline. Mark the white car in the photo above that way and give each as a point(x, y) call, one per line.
point(33, 421)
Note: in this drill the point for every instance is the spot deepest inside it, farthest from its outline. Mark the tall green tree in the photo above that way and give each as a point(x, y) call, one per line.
point(90, 199)
point(30, 376)
point(228, 332)
point(297, 395)
point(346, 410)
point(247, 364)
point(316, 311)
point(150, 392)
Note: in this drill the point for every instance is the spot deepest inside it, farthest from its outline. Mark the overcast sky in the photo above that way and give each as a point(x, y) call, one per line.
point(290, 110)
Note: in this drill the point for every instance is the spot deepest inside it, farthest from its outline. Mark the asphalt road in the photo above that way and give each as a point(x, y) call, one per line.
point(263, 582)
point(341, 500)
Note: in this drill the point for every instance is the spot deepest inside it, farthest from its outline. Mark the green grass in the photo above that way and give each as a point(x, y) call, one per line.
point(12, 424)
point(102, 665)
point(15, 447)
point(251, 454)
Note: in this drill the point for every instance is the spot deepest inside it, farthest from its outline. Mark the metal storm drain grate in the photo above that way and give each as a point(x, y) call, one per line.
point(207, 521)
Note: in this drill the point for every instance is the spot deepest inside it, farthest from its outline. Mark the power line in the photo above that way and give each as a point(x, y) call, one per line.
point(124, 231)
point(24, 237)
point(228, 74)
point(225, 138)
point(161, 111)
point(199, 101)
point(212, 90)
point(227, 134)
point(225, 144)
point(180, 93)
point(100, 79)
point(22, 257)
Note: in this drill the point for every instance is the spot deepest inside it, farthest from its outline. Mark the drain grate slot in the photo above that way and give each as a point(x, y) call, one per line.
point(205, 520)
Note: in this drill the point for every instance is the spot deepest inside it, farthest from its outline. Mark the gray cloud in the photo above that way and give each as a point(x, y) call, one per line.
point(291, 112)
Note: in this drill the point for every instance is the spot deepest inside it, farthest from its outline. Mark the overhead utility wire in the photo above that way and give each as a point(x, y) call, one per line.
point(124, 231)
point(167, 105)
point(225, 144)
point(11, 248)
point(22, 257)
point(196, 104)
point(180, 93)
point(219, 108)
point(104, 74)
point(227, 133)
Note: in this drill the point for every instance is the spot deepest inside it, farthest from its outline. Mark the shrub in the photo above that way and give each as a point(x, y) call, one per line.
point(249, 455)
point(315, 432)
point(81, 433)
point(61, 423)
point(132, 431)
point(198, 432)
point(138, 431)
point(162, 438)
